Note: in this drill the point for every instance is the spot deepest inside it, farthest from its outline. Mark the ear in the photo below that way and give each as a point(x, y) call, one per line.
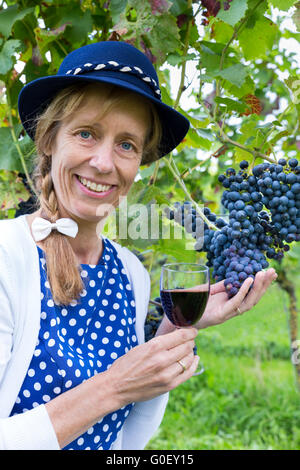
point(46, 146)
point(47, 141)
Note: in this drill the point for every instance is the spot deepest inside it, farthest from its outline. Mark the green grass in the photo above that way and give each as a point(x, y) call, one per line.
point(246, 398)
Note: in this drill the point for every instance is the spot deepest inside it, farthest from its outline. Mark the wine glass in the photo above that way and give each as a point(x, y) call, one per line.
point(184, 292)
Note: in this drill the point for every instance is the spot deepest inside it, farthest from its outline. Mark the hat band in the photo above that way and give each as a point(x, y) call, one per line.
point(112, 65)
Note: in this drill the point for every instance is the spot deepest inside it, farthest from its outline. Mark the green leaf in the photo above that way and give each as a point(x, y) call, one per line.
point(197, 139)
point(240, 154)
point(235, 13)
point(239, 91)
point(232, 105)
point(116, 8)
point(236, 74)
point(199, 122)
point(79, 25)
point(9, 157)
point(9, 16)
point(282, 4)
point(12, 190)
point(158, 33)
point(177, 248)
point(222, 31)
point(256, 41)
point(178, 7)
point(164, 36)
point(209, 59)
point(296, 16)
point(7, 59)
point(45, 37)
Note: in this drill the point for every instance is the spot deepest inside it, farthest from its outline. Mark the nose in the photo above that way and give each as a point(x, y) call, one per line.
point(103, 157)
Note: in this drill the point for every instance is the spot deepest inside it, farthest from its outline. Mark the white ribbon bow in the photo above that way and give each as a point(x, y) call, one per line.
point(41, 228)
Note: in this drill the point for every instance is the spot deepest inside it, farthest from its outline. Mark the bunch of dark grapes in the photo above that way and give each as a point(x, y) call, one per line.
point(263, 218)
point(153, 319)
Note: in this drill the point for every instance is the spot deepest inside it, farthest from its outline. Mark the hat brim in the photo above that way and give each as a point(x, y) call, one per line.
point(36, 95)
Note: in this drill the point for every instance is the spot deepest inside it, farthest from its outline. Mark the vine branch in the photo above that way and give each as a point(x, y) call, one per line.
point(17, 144)
point(256, 154)
point(175, 172)
point(185, 50)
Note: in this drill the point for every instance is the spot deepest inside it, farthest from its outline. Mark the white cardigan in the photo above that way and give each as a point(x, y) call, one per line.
point(20, 309)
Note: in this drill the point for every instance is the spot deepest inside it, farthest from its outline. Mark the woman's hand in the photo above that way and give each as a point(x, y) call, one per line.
point(152, 368)
point(220, 308)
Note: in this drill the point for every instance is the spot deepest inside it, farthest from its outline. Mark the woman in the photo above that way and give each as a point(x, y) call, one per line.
point(75, 372)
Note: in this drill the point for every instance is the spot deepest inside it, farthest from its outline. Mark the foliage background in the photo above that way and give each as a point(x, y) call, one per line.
point(240, 88)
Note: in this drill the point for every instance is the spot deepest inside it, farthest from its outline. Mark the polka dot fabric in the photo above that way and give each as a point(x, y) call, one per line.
point(82, 339)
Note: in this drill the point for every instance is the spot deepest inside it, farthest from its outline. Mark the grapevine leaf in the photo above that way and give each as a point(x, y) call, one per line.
point(9, 16)
point(236, 74)
point(9, 157)
point(197, 139)
point(222, 32)
point(235, 13)
point(282, 4)
point(116, 8)
point(178, 7)
point(164, 36)
point(209, 59)
point(44, 38)
point(156, 35)
point(81, 25)
point(231, 105)
point(159, 6)
point(12, 190)
point(293, 83)
point(177, 249)
point(240, 91)
point(7, 58)
point(296, 16)
point(256, 41)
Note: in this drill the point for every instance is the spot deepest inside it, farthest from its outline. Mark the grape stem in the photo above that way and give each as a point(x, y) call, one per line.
point(174, 170)
point(215, 154)
point(157, 304)
point(154, 176)
point(224, 138)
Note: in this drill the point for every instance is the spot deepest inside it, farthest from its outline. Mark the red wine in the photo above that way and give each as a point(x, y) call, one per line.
point(183, 307)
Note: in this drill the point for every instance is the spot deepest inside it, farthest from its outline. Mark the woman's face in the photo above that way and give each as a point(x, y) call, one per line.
point(95, 159)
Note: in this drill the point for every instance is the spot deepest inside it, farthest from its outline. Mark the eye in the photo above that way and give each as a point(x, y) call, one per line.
point(85, 135)
point(126, 146)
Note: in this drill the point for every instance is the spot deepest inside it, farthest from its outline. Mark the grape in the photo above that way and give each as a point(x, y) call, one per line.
point(264, 218)
point(153, 320)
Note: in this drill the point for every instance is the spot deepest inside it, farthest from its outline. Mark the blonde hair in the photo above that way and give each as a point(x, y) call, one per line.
point(63, 269)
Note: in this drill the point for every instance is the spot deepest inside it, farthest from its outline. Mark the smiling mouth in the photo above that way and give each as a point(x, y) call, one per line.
point(92, 186)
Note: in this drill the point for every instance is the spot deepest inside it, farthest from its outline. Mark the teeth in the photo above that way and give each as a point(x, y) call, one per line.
point(93, 186)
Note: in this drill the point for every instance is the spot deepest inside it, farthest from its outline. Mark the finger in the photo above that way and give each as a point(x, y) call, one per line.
point(177, 353)
point(185, 375)
point(235, 302)
point(261, 283)
point(217, 287)
point(181, 364)
point(173, 339)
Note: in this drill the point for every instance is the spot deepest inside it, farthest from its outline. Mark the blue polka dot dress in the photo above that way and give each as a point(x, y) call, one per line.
point(82, 339)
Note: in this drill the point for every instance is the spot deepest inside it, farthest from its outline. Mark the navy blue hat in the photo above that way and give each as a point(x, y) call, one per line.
point(113, 62)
